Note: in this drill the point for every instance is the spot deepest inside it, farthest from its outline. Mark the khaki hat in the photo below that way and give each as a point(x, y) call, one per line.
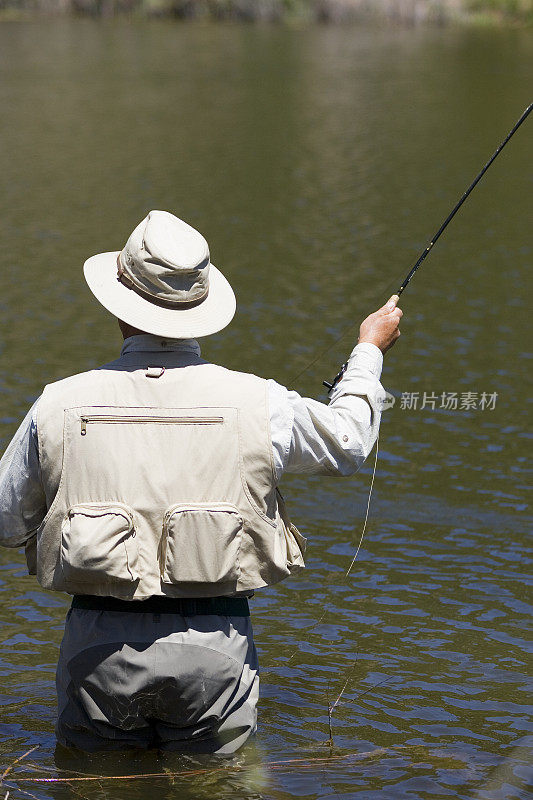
point(163, 282)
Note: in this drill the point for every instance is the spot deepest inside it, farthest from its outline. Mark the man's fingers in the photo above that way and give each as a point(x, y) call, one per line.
point(390, 305)
point(382, 327)
point(396, 314)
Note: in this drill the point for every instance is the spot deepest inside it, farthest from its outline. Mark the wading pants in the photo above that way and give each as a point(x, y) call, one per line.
point(128, 679)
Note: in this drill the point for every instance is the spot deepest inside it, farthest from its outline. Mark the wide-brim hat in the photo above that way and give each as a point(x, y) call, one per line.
point(163, 281)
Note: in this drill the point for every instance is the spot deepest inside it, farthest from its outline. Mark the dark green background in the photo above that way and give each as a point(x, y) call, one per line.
point(317, 163)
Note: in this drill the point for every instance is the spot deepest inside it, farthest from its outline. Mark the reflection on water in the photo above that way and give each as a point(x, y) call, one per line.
point(317, 162)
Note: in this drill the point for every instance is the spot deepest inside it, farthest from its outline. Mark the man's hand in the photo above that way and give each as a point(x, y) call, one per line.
point(381, 327)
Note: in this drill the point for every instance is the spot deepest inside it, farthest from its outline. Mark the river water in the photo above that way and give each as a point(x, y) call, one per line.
point(317, 162)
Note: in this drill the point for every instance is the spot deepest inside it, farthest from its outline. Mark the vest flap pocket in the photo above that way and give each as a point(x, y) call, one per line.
point(296, 543)
point(98, 544)
point(201, 543)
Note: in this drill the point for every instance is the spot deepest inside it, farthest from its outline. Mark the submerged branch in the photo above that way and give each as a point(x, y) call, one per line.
point(8, 769)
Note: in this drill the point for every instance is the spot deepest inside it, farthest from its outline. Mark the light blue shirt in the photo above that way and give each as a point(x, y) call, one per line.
point(307, 436)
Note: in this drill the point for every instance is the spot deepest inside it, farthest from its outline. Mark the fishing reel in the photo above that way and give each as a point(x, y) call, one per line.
point(337, 378)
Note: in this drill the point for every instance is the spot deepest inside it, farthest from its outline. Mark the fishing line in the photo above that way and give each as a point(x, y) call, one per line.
point(327, 610)
point(367, 508)
point(382, 287)
point(399, 291)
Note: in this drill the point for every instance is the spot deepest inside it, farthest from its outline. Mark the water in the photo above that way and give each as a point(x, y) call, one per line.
point(317, 162)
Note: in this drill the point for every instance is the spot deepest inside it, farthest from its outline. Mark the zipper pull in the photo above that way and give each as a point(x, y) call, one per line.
point(83, 426)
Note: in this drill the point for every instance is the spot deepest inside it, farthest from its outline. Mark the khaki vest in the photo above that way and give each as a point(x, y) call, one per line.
point(160, 482)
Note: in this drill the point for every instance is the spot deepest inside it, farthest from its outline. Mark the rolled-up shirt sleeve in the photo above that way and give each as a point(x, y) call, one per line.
point(314, 438)
point(22, 498)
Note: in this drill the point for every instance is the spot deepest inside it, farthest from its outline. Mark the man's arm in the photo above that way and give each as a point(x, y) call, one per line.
point(22, 498)
point(314, 438)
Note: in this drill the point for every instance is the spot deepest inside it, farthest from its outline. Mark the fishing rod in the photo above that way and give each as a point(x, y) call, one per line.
point(410, 274)
point(444, 225)
point(458, 205)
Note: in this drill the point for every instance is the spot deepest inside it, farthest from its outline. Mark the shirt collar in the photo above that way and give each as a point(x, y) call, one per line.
point(148, 343)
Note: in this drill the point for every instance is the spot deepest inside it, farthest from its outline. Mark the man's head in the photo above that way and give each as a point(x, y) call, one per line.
point(163, 282)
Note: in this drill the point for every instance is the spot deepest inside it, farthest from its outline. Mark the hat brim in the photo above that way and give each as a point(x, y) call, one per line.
point(213, 314)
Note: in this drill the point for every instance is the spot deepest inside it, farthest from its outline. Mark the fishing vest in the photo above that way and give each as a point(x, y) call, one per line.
point(159, 480)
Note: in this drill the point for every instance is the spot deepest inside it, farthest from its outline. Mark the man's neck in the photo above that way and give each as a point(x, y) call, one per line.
point(148, 343)
point(128, 330)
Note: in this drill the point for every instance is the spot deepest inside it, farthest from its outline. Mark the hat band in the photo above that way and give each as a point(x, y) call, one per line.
point(127, 281)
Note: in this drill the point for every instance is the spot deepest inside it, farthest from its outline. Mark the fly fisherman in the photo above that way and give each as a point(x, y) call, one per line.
point(147, 490)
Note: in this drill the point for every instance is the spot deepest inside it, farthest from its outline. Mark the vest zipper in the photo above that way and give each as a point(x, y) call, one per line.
point(110, 419)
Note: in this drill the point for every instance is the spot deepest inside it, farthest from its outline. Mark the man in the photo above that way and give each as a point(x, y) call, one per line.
point(147, 490)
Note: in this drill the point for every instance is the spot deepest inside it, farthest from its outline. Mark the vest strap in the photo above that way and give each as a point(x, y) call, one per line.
point(187, 606)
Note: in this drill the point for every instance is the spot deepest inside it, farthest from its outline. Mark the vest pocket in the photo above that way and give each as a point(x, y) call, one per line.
point(295, 542)
point(201, 543)
point(98, 544)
